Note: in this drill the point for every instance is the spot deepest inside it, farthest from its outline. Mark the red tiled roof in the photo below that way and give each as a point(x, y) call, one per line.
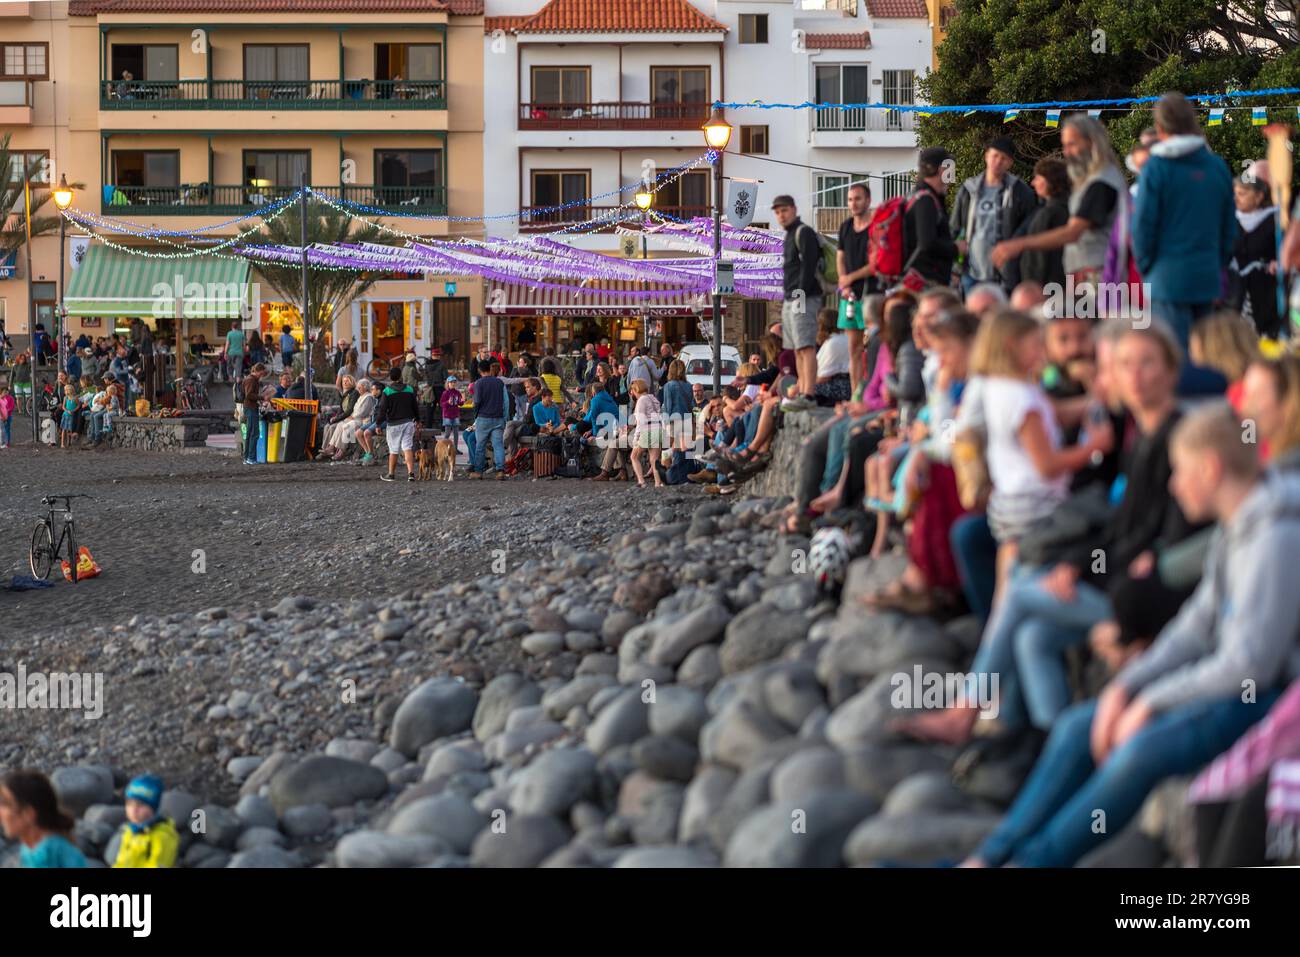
point(837, 41)
point(493, 24)
point(88, 8)
point(898, 9)
point(612, 16)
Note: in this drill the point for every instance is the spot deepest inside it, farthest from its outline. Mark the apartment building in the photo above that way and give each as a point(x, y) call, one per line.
point(825, 51)
point(184, 115)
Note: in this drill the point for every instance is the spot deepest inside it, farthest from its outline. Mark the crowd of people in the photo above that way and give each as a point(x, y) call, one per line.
point(1108, 480)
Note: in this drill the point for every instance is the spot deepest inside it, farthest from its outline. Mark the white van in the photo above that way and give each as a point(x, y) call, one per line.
point(698, 357)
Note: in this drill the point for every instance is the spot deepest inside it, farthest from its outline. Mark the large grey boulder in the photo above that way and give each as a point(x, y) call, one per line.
point(554, 782)
point(500, 696)
point(918, 838)
point(799, 834)
point(437, 708)
point(321, 779)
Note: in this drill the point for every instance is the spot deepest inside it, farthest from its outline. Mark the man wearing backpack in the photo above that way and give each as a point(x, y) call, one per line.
point(856, 276)
point(989, 208)
point(928, 249)
point(801, 268)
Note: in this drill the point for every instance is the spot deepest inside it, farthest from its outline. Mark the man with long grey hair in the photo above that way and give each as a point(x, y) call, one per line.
point(1098, 194)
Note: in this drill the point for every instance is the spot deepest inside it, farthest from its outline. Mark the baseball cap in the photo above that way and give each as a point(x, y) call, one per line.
point(932, 156)
point(782, 200)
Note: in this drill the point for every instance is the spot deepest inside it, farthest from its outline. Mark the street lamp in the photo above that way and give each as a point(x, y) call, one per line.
point(717, 133)
point(63, 197)
point(644, 200)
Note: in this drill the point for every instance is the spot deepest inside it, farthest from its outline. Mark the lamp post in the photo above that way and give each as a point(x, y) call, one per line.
point(717, 133)
point(63, 196)
point(644, 200)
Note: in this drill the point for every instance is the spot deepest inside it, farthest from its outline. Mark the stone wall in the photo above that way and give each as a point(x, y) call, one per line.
point(779, 477)
point(158, 435)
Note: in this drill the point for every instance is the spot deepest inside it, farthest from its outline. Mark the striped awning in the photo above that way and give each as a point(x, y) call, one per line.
point(113, 283)
point(595, 299)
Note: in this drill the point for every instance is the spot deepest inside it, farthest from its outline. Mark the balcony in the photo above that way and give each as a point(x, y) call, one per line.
point(602, 219)
point(272, 95)
point(845, 8)
point(203, 199)
point(612, 116)
point(859, 120)
point(16, 103)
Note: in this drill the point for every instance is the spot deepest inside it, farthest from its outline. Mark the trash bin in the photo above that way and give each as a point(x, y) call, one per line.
point(293, 434)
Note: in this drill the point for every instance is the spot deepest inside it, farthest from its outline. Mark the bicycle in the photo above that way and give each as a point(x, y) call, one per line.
point(44, 551)
point(191, 393)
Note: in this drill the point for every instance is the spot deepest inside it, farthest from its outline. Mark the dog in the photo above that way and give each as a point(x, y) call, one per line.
point(444, 459)
point(424, 465)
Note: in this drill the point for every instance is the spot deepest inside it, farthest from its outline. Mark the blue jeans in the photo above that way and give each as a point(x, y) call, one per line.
point(486, 430)
point(1180, 317)
point(252, 417)
point(1051, 823)
point(976, 552)
point(1025, 641)
point(6, 426)
point(837, 446)
point(470, 445)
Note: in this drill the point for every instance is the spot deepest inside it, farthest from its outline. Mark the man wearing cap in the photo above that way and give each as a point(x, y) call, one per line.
point(990, 207)
point(928, 249)
point(803, 300)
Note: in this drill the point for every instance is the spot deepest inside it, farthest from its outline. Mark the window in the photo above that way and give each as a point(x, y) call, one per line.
point(44, 296)
point(276, 168)
point(899, 88)
point(158, 169)
point(276, 70)
point(562, 85)
point(559, 188)
point(755, 319)
point(27, 60)
point(833, 189)
point(842, 83)
point(405, 176)
point(753, 139)
point(408, 61)
point(689, 191)
point(753, 28)
point(680, 92)
point(35, 162)
point(154, 63)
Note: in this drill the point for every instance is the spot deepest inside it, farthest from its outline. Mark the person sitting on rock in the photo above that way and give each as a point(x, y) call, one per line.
point(148, 840)
point(30, 815)
point(1212, 673)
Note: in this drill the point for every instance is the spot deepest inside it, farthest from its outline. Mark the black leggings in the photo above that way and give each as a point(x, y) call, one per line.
point(862, 443)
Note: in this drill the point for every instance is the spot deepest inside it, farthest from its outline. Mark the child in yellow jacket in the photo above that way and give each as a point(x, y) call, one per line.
point(147, 839)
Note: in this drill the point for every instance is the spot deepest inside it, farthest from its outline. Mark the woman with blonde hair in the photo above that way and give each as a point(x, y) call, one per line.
point(647, 440)
point(344, 432)
point(1227, 343)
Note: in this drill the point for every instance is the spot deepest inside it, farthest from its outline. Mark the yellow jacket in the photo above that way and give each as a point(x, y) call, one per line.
point(155, 847)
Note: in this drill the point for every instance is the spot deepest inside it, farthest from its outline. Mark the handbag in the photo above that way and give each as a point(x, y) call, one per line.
point(974, 486)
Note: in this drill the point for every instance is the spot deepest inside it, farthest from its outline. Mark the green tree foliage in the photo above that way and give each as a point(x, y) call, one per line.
point(1025, 51)
point(331, 290)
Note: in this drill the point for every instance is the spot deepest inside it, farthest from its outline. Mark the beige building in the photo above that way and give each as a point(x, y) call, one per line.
point(186, 115)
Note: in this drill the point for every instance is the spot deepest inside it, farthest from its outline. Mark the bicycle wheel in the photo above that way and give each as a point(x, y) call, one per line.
point(41, 556)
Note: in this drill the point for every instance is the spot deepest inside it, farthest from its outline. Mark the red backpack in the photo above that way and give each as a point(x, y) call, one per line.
point(885, 243)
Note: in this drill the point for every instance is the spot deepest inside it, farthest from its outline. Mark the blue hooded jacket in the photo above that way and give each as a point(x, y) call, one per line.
point(1185, 221)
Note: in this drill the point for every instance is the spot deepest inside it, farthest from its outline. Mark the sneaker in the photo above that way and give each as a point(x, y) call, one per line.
point(410, 476)
point(800, 403)
point(703, 477)
point(501, 476)
point(366, 459)
point(249, 462)
point(387, 477)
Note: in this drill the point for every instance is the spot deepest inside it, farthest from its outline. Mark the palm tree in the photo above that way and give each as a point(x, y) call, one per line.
point(13, 229)
point(331, 291)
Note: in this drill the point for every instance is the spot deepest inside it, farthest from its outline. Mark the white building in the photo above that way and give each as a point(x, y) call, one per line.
point(824, 51)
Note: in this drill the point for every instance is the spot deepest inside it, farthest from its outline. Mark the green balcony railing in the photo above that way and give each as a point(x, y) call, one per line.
point(203, 199)
point(273, 95)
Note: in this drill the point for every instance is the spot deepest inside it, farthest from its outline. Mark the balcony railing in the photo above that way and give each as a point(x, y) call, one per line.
point(203, 199)
point(829, 219)
point(860, 120)
point(272, 95)
point(848, 8)
point(612, 116)
point(536, 219)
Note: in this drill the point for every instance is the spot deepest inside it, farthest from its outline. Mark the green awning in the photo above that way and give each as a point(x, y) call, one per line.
point(113, 283)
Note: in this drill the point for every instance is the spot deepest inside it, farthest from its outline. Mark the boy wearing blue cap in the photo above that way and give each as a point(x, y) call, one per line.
point(147, 839)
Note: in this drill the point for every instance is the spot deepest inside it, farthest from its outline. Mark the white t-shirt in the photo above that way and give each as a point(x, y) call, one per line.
point(833, 356)
point(1006, 403)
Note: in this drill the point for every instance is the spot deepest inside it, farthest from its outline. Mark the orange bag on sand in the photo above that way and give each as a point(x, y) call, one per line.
point(86, 566)
point(142, 408)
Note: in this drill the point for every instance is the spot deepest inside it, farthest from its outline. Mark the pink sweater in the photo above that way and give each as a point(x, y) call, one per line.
point(876, 395)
